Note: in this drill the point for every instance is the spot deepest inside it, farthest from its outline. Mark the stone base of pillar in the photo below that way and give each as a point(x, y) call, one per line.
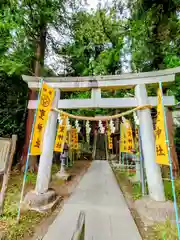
point(63, 175)
point(40, 202)
point(151, 211)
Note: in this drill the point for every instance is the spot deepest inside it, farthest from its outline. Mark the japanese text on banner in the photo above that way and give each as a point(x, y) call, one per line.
point(74, 139)
point(110, 144)
point(61, 135)
point(129, 136)
point(44, 107)
point(161, 146)
point(126, 138)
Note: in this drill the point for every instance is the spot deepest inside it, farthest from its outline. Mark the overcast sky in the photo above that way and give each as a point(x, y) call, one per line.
point(92, 3)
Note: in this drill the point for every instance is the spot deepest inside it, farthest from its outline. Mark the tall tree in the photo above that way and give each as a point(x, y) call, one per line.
point(25, 27)
point(95, 44)
point(38, 18)
point(154, 27)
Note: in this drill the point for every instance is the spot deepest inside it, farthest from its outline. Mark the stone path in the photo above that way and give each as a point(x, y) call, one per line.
point(107, 216)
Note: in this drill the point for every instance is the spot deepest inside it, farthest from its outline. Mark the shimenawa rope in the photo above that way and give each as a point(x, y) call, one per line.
point(102, 118)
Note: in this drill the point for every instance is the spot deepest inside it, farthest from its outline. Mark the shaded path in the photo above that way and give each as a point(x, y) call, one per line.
point(107, 216)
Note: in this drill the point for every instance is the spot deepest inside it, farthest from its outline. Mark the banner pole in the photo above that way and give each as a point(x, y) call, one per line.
point(171, 167)
point(28, 155)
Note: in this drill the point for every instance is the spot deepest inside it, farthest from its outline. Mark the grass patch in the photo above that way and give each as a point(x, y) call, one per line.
point(133, 188)
point(160, 231)
point(55, 168)
point(8, 225)
point(9, 229)
point(136, 191)
point(163, 231)
point(168, 190)
point(136, 187)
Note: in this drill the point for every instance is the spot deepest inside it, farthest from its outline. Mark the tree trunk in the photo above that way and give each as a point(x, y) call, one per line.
point(39, 63)
point(171, 141)
point(29, 122)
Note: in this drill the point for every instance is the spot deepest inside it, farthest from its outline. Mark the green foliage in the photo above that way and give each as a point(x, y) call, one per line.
point(29, 219)
point(31, 178)
point(158, 231)
point(13, 102)
point(163, 231)
point(23, 25)
point(95, 45)
point(154, 34)
point(136, 191)
point(168, 190)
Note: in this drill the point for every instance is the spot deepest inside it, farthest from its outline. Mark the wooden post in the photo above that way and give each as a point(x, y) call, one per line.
point(7, 173)
point(29, 123)
point(171, 140)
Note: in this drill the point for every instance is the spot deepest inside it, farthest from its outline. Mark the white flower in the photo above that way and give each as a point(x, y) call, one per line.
point(136, 118)
point(77, 126)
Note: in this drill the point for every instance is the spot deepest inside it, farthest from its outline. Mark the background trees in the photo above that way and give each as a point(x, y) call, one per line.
point(95, 44)
point(85, 42)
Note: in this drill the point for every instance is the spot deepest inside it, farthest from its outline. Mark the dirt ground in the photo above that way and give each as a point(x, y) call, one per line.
point(34, 225)
point(64, 189)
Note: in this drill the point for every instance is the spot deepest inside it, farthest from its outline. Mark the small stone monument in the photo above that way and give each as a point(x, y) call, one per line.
point(5, 145)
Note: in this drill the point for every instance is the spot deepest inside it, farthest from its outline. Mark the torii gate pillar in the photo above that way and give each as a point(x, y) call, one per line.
point(42, 196)
point(45, 163)
point(153, 173)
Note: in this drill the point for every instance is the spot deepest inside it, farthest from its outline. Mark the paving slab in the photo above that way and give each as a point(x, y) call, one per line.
point(107, 216)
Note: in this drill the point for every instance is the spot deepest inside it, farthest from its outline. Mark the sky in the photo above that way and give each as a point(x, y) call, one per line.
point(92, 4)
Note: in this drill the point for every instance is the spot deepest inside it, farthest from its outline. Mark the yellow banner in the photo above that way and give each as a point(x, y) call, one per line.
point(44, 107)
point(110, 142)
point(123, 140)
point(76, 145)
point(74, 139)
point(130, 141)
point(161, 146)
point(69, 138)
point(137, 134)
point(61, 135)
point(126, 137)
point(137, 138)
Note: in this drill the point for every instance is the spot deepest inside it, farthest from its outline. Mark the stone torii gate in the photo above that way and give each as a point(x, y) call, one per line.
point(138, 81)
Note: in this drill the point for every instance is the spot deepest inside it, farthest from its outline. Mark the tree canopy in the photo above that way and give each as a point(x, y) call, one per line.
point(94, 42)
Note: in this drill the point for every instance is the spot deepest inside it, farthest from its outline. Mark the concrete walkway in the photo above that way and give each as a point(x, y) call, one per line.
point(107, 216)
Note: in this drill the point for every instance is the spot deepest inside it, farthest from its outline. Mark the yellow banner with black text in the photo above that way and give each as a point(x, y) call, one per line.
point(110, 142)
point(74, 139)
point(161, 146)
point(61, 134)
point(44, 107)
point(126, 137)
